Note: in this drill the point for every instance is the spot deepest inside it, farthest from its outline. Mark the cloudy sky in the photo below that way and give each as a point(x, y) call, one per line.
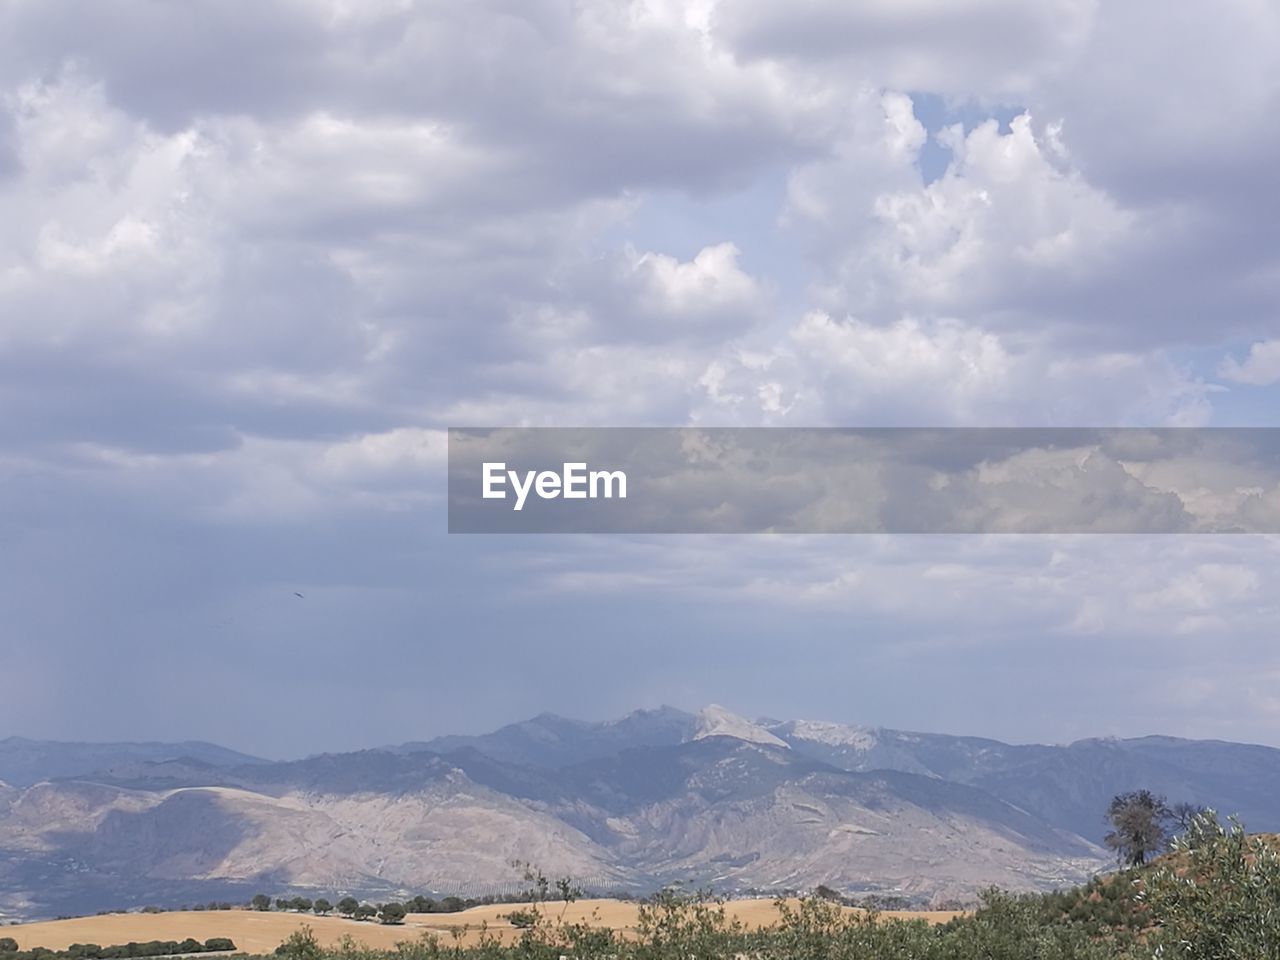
point(256, 258)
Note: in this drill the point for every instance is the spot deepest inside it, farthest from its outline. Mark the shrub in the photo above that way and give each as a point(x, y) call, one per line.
point(1219, 896)
point(301, 945)
point(522, 919)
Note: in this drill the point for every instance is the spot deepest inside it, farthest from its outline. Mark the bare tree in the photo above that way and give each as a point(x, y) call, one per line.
point(1182, 815)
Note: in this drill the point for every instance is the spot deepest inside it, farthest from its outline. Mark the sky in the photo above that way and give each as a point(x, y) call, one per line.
point(255, 259)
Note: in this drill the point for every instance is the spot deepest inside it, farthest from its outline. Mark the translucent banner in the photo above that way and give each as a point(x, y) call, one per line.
point(901, 480)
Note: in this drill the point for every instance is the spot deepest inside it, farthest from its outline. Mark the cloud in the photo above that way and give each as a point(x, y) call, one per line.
point(1260, 368)
point(253, 260)
point(711, 282)
point(914, 372)
point(961, 48)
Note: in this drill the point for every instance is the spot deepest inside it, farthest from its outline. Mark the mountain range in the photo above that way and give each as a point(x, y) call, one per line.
point(656, 797)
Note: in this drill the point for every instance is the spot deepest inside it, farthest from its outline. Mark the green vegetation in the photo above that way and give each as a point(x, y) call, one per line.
point(91, 951)
point(1216, 895)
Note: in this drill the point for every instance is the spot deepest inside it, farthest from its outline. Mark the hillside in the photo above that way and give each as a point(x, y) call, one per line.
point(656, 797)
point(24, 762)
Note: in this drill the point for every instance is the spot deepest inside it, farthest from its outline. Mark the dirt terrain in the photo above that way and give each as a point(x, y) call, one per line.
point(255, 932)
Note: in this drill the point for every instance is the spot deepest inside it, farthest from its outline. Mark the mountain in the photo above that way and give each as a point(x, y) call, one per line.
point(716, 721)
point(553, 741)
point(1070, 785)
point(656, 797)
point(24, 762)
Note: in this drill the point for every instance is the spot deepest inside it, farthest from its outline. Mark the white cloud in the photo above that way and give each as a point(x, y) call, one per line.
point(1260, 368)
point(250, 262)
point(1010, 232)
point(712, 280)
point(851, 372)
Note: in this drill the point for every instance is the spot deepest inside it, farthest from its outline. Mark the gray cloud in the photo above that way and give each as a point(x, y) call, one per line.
point(254, 261)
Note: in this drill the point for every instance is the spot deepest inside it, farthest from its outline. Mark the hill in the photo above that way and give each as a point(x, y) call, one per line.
point(656, 797)
point(24, 762)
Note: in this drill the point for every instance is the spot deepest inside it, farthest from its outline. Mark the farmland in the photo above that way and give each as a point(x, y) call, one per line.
point(255, 932)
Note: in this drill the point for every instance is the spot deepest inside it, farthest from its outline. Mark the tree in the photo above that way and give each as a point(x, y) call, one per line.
point(1183, 815)
point(322, 906)
point(282, 903)
point(301, 904)
point(392, 912)
point(348, 906)
point(1138, 829)
point(366, 911)
point(260, 902)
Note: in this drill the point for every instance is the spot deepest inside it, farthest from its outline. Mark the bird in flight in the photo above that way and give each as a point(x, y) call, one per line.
point(298, 595)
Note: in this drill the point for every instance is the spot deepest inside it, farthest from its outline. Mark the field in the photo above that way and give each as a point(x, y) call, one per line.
point(255, 932)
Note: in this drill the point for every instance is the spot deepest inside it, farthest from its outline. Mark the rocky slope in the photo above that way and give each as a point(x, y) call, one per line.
point(655, 797)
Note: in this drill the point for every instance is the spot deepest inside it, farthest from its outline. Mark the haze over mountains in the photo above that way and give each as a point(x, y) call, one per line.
point(654, 797)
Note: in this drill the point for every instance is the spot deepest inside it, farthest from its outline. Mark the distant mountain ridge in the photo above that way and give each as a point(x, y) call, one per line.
point(24, 762)
point(651, 798)
point(551, 740)
point(1068, 784)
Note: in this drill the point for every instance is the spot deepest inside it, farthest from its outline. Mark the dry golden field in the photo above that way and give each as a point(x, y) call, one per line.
point(255, 932)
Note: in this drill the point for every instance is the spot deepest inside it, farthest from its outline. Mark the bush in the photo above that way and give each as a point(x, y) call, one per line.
point(301, 945)
point(1219, 896)
point(522, 919)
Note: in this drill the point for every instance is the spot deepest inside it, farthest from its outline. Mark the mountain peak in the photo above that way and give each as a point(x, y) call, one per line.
point(829, 734)
point(717, 721)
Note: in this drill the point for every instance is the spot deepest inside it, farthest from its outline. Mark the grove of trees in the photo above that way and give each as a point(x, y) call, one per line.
point(124, 951)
